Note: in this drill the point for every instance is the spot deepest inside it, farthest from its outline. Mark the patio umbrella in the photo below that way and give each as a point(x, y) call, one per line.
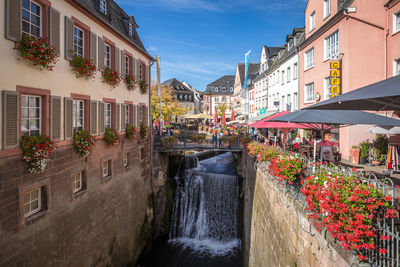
point(233, 115)
point(383, 95)
point(335, 117)
point(384, 130)
point(215, 118)
point(223, 119)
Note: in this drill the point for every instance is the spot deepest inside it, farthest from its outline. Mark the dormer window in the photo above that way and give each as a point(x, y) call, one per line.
point(216, 89)
point(130, 29)
point(103, 6)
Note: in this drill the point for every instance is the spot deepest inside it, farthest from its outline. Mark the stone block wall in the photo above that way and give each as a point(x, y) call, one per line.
point(107, 224)
point(281, 235)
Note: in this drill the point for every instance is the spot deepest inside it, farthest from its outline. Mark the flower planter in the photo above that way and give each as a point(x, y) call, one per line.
point(354, 156)
point(376, 162)
point(363, 161)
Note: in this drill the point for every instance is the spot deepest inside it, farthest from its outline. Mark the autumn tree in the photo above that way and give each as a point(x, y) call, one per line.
point(221, 108)
point(170, 107)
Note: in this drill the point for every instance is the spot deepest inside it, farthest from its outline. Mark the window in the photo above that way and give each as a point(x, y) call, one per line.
point(32, 201)
point(223, 89)
point(216, 99)
point(309, 59)
point(312, 21)
point(107, 55)
point(332, 45)
point(141, 111)
point(141, 153)
point(126, 160)
point(78, 41)
point(127, 65)
point(223, 99)
point(288, 103)
point(130, 29)
point(31, 115)
point(103, 6)
point(231, 89)
point(283, 77)
point(216, 89)
point(31, 18)
point(107, 115)
point(396, 22)
point(294, 71)
point(77, 181)
point(78, 109)
point(141, 72)
point(396, 67)
point(106, 168)
point(126, 122)
point(295, 101)
point(288, 74)
point(309, 93)
point(327, 87)
point(327, 8)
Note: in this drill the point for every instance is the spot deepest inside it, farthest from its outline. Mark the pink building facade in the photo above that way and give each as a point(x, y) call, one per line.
point(362, 34)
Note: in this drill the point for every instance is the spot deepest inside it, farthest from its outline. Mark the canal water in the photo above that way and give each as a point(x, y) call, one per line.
point(205, 228)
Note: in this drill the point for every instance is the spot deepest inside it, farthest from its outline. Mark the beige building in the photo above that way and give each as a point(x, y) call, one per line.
point(184, 95)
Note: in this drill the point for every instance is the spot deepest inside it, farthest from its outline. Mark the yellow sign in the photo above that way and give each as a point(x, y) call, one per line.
point(335, 89)
point(333, 95)
point(335, 81)
point(335, 64)
point(335, 73)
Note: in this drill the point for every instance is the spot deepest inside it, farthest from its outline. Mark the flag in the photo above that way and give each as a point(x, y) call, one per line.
point(223, 119)
point(246, 69)
point(233, 115)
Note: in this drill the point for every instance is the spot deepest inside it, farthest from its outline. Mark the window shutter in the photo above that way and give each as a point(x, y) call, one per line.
point(101, 55)
point(137, 70)
point(101, 117)
point(55, 29)
point(123, 107)
point(93, 117)
point(68, 129)
point(130, 119)
point(55, 113)
point(145, 115)
point(93, 48)
point(118, 117)
point(13, 20)
point(133, 67)
point(123, 72)
point(117, 62)
point(147, 72)
point(10, 124)
point(134, 118)
point(139, 119)
point(69, 38)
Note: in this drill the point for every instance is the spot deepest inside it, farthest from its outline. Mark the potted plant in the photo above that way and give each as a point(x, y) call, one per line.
point(83, 143)
point(130, 82)
point(143, 130)
point(111, 136)
point(379, 149)
point(131, 131)
point(83, 68)
point(143, 87)
point(354, 155)
point(168, 141)
point(36, 151)
point(111, 77)
point(364, 151)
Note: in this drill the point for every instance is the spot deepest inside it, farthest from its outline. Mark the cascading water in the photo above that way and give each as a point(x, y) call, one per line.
point(205, 215)
point(205, 226)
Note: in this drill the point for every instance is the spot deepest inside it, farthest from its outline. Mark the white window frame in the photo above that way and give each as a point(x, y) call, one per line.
point(106, 168)
point(107, 107)
point(30, 19)
point(327, 88)
point(396, 67)
point(127, 65)
point(309, 59)
point(295, 71)
point(33, 118)
point(295, 101)
point(130, 29)
point(288, 78)
point(103, 6)
point(38, 199)
point(312, 21)
point(331, 44)
point(127, 113)
point(327, 8)
point(107, 55)
point(77, 179)
point(79, 38)
point(396, 22)
point(75, 114)
point(283, 77)
point(309, 96)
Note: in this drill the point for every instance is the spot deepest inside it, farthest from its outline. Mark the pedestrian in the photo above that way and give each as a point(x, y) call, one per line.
point(297, 143)
point(220, 139)
point(215, 140)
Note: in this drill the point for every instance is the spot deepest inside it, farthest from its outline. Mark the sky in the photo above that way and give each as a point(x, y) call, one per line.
point(198, 41)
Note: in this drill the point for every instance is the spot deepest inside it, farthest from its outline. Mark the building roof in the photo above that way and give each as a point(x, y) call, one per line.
point(222, 86)
point(226, 80)
point(182, 93)
point(117, 19)
point(253, 70)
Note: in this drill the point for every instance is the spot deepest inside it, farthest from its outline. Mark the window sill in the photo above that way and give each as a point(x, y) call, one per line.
point(309, 68)
point(35, 217)
point(79, 193)
point(327, 16)
point(309, 102)
point(396, 32)
point(107, 178)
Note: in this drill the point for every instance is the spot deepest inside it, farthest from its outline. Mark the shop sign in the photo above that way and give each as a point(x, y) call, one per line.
point(336, 77)
point(262, 111)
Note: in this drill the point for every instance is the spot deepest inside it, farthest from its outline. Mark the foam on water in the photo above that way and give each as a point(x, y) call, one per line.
point(208, 247)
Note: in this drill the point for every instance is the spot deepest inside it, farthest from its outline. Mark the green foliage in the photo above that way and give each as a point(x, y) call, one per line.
point(380, 147)
point(143, 87)
point(168, 141)
point(111, 77)
point(36, 150)
point(83, 68)
point(83, 143)
point(364, 149)
point(143, 130)
point(130, 131)
point(199, 138)
point(130, 82)
point(111, 136)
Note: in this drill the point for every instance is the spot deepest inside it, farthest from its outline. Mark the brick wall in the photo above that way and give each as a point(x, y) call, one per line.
point(280, 234)
point(106, 224)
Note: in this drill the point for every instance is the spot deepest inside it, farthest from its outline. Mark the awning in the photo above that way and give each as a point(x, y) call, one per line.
point(384, 130)
point(383, 95)
point(267, 123)
point(263, 116)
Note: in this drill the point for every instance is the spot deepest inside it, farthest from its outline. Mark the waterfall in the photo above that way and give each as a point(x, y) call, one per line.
point(205, 215)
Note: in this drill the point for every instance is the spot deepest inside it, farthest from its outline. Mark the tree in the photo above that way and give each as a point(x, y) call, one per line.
point(222, 107)
point(170, 107)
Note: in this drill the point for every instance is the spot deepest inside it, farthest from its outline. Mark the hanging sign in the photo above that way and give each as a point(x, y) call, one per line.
point(336, 77)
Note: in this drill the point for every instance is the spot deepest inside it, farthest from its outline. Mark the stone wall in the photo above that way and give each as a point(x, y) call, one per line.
point(107, 224)
point(280, 234)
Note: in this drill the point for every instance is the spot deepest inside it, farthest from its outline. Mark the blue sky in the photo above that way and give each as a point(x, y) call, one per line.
point(198, 41)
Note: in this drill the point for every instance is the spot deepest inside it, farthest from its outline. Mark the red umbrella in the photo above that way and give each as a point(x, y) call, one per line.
point(265, 123)
point(215, 118)
point(223, 120)
point(233, 115)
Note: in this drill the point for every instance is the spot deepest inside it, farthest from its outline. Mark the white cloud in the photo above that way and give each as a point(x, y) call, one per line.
point(152, 49)
point(175, 41)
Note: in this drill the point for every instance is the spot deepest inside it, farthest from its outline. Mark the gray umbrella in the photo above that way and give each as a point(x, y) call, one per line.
point(336, 117)
point(383, 95)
